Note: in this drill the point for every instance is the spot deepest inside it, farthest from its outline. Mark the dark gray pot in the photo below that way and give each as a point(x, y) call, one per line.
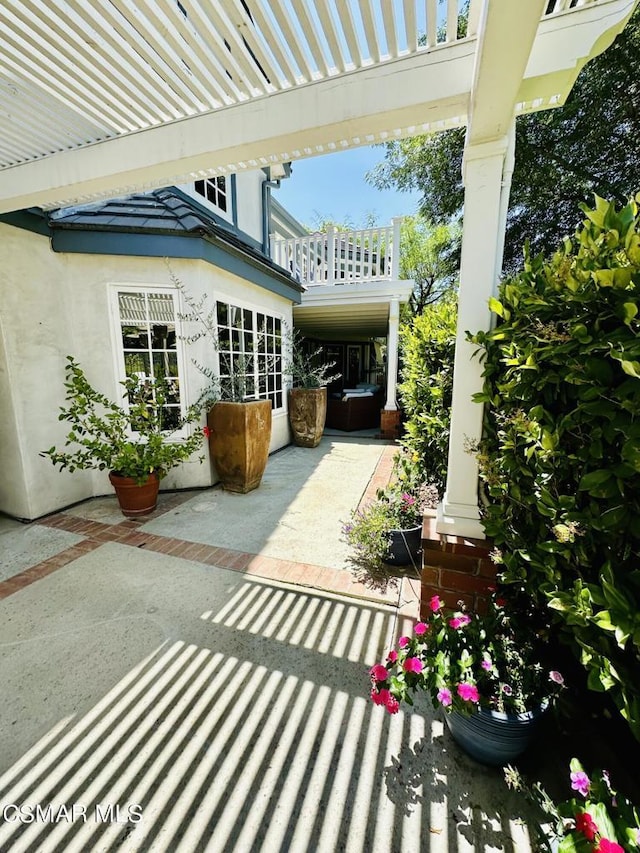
point(491, 737)
point(404, 547)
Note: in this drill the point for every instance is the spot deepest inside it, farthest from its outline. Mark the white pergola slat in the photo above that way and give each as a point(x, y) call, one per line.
point(102, 97)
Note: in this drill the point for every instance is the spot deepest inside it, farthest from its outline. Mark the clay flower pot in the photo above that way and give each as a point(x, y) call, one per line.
point(239, 439)
point(135, 499)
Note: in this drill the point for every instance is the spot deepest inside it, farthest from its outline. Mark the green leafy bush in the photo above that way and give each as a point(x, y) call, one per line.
point(561, 456)
point(134, 438)
point(427, 347)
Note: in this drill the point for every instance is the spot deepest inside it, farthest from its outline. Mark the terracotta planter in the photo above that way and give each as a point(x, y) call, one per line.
point(307, 414)
point(135, 499)
point(240, 434)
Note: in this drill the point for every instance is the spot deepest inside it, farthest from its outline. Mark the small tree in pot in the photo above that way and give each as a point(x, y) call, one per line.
point(239, 416)
point(132, 441)
point(308, 394)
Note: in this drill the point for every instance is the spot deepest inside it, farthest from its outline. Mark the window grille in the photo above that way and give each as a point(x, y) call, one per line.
point(148, 335)
point(250, 353)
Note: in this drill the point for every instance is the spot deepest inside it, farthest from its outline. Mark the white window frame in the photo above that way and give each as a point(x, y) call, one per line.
point(268, 314)
point(202, 199)
point(115, 289)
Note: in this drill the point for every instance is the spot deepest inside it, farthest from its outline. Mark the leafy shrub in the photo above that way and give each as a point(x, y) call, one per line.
point(561, 456)
point(427, 348)
point(134, 438)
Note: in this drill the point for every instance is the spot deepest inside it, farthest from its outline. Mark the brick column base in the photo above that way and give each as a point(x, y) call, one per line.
point(456, 569)
point(390, 423)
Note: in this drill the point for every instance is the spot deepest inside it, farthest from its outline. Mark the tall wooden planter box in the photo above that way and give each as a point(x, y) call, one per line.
point(307, 414)
point(239, 438)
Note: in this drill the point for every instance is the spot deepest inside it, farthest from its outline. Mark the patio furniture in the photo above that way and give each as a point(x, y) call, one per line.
point(354, 409)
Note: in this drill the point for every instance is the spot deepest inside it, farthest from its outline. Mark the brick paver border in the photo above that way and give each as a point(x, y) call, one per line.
point(400, 592)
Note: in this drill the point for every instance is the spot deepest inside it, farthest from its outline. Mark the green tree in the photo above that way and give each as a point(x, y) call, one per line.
point(427, 345)
point(430, 255)
point(563, 156)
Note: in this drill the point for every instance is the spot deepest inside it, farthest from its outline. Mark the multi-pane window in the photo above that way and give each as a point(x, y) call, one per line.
point(250, 354)
point(148, 329)
point(214, 190)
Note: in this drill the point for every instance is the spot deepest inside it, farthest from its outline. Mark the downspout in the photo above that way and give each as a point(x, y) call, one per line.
point(267, 186)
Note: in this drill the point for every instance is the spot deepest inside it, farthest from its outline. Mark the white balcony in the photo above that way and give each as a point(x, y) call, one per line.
point(337, 257)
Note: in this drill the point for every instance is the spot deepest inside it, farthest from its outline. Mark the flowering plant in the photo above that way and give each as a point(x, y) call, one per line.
point(133, 439)
point(599, 820)
point(368, 530)
point(465, 661)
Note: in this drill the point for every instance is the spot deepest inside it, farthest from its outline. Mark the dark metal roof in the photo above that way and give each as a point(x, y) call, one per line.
point(162, 211)
point(168, 212)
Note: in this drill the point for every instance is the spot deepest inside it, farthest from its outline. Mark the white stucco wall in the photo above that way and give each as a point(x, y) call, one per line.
point(52, 305)
point(249, 199)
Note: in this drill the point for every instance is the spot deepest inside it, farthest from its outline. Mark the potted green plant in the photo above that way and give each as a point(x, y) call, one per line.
point(130, 440)
point(484, 672)
point(387, 530)
point(309, 376)
point(599, 820)
point(239, 421)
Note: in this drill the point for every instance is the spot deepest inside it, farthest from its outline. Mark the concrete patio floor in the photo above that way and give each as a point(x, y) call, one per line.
point(197, 680)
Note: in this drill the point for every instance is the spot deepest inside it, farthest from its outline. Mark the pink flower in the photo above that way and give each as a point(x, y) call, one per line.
point(606, 846)
point(403, 642)
point(379, 672)
point(486, 664)
point(421, 628)
point(459, 621)
point(206, 431)
point(468, 692)
point(412, 665)
point(435, 604)
point(379, 697)
point(393, 706)
point(444, 696)
point(408, 499)
point(556, 676)
point(580, 782)
point(392, 657)
point(585, 824)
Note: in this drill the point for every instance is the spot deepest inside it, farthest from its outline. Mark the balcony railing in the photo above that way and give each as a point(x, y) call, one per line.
point(341, 257)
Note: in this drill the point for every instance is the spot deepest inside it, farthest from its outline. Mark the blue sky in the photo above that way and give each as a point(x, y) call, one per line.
point(332, 186)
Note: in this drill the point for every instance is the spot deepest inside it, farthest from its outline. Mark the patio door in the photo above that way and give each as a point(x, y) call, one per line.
point(354, 365)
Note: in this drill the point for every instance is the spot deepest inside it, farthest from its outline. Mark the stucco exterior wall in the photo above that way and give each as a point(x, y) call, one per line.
point(52, 305)
point(249, 198)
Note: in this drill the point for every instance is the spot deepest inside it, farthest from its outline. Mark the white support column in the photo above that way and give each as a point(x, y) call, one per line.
point(487, 178)
point(392, 355)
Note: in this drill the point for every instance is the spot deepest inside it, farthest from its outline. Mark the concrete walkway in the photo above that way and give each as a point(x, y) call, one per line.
point(197, 680)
